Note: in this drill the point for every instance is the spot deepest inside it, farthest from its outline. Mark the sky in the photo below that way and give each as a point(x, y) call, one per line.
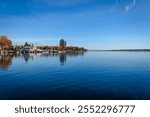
point(93, 24)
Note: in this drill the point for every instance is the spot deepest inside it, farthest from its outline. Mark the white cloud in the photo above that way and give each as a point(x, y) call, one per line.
point(130, 6)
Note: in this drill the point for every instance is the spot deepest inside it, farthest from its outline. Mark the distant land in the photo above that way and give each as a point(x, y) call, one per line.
point(123, 50)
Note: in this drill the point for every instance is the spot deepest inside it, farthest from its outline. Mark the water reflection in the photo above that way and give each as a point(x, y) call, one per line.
point(62, 59)
point(28, 56)
point(7, 59)
point(63, 56)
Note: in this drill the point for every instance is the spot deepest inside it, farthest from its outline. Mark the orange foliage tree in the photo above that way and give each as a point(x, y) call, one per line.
point(5, 42)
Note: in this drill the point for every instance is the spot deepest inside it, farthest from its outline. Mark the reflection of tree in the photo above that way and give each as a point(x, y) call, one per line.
point(5, 61)
point(62, 58)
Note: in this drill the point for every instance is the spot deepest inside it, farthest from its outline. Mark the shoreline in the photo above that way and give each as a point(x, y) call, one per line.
point(125, 50)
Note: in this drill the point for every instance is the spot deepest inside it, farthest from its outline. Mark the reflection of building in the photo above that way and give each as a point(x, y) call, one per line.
point(27, 56)
point(62, 58)
point(63, 43)
point(29, 48)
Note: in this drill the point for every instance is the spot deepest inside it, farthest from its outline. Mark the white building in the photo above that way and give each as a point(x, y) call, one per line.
point(29, 48)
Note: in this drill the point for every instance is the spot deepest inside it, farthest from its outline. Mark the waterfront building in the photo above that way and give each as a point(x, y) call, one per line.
point(29, 48)
point(63, 43)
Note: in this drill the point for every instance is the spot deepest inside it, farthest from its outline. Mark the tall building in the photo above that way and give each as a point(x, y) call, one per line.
point(63, 43)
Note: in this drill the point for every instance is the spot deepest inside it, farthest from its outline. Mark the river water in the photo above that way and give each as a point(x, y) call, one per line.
point(90, 75)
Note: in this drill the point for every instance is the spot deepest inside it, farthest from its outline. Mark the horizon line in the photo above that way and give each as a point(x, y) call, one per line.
point(119, 49)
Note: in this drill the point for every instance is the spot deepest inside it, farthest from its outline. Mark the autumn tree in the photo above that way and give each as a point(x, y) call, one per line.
point(5, 42)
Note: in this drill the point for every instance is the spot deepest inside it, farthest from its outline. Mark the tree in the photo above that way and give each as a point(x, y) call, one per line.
point(5, 42)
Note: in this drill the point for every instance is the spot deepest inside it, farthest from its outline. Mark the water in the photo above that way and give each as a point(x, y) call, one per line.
point(90, 75)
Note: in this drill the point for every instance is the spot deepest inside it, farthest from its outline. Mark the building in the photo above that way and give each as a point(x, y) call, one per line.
point(28, 48)
point(63, 43)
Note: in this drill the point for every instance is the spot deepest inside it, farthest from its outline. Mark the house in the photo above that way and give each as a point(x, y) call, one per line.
point(28, 48)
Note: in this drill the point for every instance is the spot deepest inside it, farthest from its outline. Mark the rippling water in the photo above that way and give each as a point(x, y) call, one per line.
point(90, 75)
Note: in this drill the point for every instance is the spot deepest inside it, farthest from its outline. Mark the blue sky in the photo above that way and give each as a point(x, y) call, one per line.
point(93, 24)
